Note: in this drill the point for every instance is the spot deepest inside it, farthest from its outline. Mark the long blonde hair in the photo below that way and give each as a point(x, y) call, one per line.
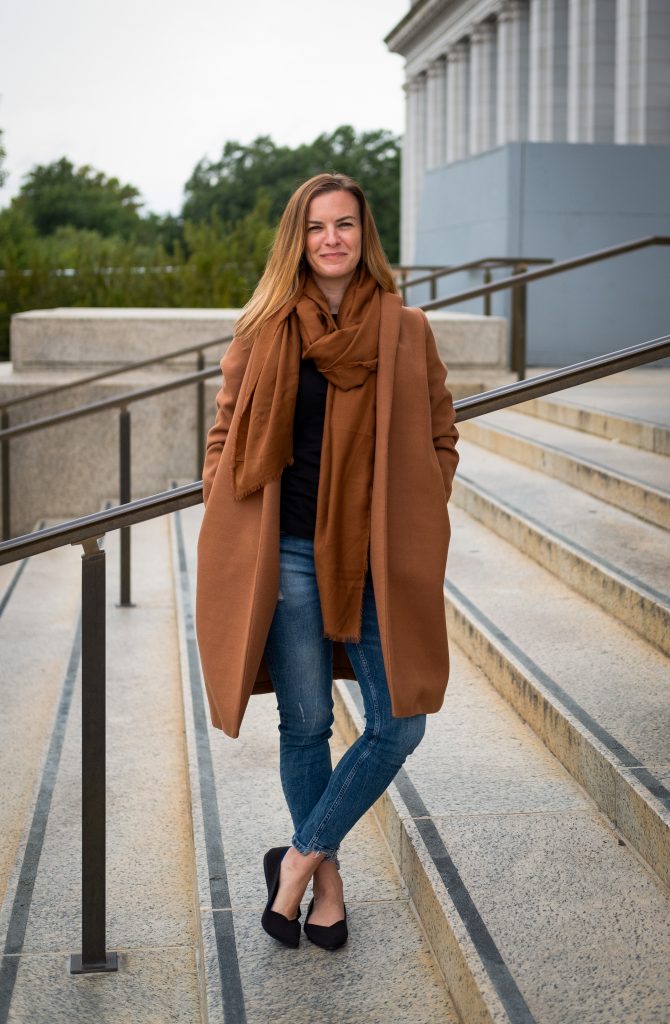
point(280, 279)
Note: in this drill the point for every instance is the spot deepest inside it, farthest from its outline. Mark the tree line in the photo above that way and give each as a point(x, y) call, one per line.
point(75, 237)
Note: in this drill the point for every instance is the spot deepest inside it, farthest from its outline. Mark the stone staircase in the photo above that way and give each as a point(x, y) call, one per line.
point(518, 868)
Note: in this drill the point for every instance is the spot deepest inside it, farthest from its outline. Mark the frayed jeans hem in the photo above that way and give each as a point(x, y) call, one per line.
point(328, 854)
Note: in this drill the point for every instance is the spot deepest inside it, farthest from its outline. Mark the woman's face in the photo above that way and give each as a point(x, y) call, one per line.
point(334, 233)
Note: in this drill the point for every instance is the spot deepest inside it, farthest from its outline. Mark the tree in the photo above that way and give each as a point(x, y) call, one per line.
point(3, 154)
point(231, 186)
point(56, 194)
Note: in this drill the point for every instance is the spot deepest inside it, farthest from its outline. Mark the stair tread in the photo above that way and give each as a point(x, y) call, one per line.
point(538, 860)
point(637, 394)
point(644, 468)
point(617, 539)
point(615, 677)
point(150, 901)
point(36, 635)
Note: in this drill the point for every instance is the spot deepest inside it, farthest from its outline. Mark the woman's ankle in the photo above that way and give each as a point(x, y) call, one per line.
point(303, 864)
point(327, 879)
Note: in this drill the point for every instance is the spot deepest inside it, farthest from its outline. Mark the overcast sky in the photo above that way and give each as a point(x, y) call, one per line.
point(142, 89)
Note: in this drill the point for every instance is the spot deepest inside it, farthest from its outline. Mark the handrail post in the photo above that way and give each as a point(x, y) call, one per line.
point(518, 343)
point(200, 420)
point(6, 480)
point(124, 498)
point(488, 277)
point(433, 288)
point(94, 956)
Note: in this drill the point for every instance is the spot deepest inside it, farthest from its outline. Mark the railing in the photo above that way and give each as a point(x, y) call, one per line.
point(487, 264)
point(5, 406)
point(122, 403)
point(519, 281)
point(89, 531)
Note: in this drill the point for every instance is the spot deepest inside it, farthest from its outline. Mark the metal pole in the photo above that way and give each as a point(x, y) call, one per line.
point(518, 342)
point(93, 957)
point(6, 478)
point(433, 288)
point(488, 277)
point(124, 498)
point(521, 367)
point(200, 420)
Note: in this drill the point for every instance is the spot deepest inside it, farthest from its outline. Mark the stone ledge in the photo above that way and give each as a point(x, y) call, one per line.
point(96, 338)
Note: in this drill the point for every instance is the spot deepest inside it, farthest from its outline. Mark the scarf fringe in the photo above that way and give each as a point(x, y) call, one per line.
point(343, 639)
point(261, 484)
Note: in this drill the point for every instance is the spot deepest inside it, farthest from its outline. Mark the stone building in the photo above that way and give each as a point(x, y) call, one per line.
point(542, 128)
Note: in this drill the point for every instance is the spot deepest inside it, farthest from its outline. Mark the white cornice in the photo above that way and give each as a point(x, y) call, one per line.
point(423, 35)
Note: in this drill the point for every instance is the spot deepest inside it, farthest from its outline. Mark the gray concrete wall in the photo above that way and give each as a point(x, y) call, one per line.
point(558, 200)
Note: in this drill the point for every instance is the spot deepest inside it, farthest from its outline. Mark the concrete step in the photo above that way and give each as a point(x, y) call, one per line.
point(591, 688)
point(39, 597)
point(640, 433)
point(385, 973)
point(608, 555)
point(536, 907)
point(636, 481)
point(151, 909)
point(630, 406)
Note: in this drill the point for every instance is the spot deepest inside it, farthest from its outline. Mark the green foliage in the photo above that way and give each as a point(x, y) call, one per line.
point(3, 154)
point(230, 186)
point(57, 194)
point(225, 260)
point(218, 267)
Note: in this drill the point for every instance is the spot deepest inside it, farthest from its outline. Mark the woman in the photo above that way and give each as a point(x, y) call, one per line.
point(324, 542)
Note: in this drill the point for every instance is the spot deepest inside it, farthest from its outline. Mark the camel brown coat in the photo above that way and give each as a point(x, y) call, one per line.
point(238, 547)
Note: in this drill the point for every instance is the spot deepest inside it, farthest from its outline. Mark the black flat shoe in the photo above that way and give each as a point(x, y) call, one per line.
point(277, 925)
point(330, 936)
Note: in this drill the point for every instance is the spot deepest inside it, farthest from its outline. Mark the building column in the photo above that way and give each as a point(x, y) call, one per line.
point(548, 70)
point(457, 58)
point(642, 74)
point(591, 66)
point(482, 88)
point(512, 72)
point(436, 113)
point(413, 164)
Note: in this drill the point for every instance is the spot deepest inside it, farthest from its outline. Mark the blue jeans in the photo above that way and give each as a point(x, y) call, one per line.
point(325, 804)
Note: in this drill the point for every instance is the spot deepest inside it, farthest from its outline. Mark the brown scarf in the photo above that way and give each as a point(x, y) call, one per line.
point(347, 356)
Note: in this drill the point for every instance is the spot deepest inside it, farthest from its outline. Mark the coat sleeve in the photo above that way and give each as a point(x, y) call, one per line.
point(233, 365)
point(442, 412)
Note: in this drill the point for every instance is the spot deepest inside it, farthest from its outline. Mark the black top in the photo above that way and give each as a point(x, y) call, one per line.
point(300, 482)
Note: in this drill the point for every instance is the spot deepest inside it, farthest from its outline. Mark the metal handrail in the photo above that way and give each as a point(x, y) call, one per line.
point(89, 530)
point(116, 402)
point(521, 278)
point(120, 402)
point(555, 268)
point(125, 368)
point(485, 263)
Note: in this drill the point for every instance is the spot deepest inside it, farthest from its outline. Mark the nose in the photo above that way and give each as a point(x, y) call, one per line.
point(332, 237)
